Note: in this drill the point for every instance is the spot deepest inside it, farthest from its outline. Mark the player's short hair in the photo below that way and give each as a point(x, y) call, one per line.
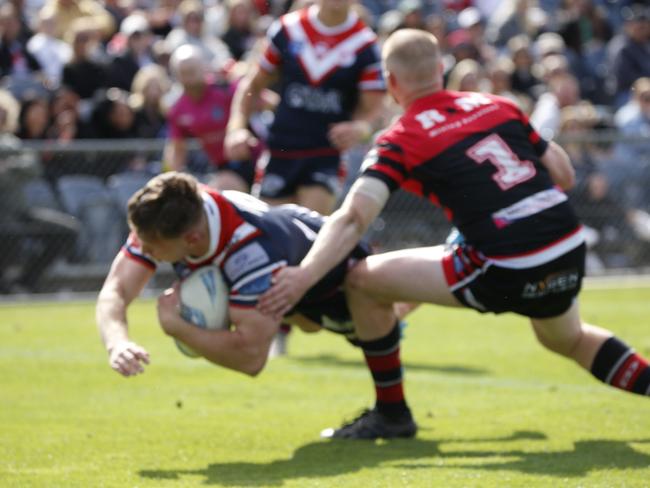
point(169, 205)
point(413, 56)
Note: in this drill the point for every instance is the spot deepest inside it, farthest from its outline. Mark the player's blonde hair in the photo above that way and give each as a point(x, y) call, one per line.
point(413, 57)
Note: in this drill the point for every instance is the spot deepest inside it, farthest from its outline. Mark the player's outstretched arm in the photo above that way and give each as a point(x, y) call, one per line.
point(124, 282)
point(243, 348)
point(247, 98)
point(338, 236)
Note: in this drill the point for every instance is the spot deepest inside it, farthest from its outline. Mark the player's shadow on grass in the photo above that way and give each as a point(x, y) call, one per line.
point(323, 459)
point(331, 360)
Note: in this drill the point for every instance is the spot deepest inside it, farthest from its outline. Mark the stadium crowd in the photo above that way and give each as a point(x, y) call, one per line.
point(75, 70)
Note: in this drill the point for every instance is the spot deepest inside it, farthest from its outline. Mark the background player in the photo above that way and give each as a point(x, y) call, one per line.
point(325, 62)
point(479, 158)
point(174, 220)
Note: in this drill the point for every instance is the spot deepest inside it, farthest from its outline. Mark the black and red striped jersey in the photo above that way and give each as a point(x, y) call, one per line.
point(477, 156)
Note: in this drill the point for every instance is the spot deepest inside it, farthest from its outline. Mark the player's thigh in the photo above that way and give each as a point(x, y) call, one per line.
point(409, 275)
point(316, 197)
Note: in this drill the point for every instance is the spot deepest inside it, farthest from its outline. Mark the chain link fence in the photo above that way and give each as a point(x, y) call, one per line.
point(63, 213)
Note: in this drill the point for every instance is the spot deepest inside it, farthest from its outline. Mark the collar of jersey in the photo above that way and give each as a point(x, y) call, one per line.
point(312, 15)
point(214, 227)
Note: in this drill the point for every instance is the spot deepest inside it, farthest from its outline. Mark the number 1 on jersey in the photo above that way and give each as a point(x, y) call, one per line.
point(511, 169)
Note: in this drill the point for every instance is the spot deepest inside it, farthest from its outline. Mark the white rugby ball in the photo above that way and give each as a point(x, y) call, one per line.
point(204, 302)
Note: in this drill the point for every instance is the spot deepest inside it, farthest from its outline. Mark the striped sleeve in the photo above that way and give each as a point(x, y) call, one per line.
point(271, 56)
point(372, 78)
point(132, 249)
point(385, 161)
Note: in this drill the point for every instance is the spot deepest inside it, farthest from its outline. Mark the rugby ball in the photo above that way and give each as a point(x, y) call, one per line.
point(204, 302)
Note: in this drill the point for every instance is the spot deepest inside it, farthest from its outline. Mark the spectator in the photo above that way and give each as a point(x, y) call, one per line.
point(149, 86)
point(15, 59)
point(51, 53)
point(467, 75)
point(83, 74)
point(631, 170)
point(629, 52)
point(113, 118)
point(136, 54)
point(523, 80)
point(214, 50)
point(34, 237)
point(34, 119)
point(240, 35)
point(471, 21)
point(68, 11)
point(563, 91)
point(412, 14)
point(608, 234)
point(514, 18)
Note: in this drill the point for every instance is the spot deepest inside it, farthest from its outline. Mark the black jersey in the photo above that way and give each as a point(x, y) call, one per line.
point(478, 157)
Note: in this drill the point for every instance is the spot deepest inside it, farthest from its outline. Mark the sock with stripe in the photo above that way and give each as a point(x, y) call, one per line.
point(619, 366)
point(383, 360)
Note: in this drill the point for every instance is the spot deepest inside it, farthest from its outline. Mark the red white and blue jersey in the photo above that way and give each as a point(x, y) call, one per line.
point(323, 69)
point(249, 241)
point(477, 156)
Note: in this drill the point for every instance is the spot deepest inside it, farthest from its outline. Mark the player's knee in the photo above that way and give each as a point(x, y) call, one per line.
point(563, 344)
point(357, 277)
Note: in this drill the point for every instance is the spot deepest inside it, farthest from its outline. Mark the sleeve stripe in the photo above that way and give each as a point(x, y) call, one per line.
point(385, 160)
point(138, 258)
point(383, 176)
point(390, 147)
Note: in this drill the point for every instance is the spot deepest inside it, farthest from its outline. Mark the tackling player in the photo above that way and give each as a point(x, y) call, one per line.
point(501, 185)
point(175, 220)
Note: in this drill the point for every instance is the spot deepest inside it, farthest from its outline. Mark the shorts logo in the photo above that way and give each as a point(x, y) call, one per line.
point(554, 283)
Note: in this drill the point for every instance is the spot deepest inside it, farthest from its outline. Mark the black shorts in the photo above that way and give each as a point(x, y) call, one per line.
point(544, 291)
point(280, 177)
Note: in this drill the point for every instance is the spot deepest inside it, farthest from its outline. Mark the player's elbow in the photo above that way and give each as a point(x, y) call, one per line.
point(255, 365)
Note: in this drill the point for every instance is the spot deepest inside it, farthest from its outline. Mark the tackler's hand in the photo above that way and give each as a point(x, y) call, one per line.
point(289, 285)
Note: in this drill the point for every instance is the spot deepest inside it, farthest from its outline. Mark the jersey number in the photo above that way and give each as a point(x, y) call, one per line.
point(511, 169)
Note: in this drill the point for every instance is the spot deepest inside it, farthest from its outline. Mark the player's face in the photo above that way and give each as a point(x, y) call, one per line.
point(191, 74)
point(335, 5)
point(166, 250)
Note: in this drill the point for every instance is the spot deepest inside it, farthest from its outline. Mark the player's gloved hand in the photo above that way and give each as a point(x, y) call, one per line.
point(127, 358)
point(344, 135)
point(169, 316)
point(238, 143)
point(289, 285)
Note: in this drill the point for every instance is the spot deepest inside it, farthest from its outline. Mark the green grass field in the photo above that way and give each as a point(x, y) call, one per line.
point(494, 408)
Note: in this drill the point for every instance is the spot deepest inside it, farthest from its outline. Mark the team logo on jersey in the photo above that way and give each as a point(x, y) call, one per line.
point(296, 47)
point(217, 113)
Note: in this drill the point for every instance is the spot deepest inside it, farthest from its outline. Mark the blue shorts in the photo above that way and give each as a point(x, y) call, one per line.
point(281, 176)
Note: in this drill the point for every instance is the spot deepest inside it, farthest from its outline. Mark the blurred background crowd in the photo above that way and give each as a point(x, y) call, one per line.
point(97, 71)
